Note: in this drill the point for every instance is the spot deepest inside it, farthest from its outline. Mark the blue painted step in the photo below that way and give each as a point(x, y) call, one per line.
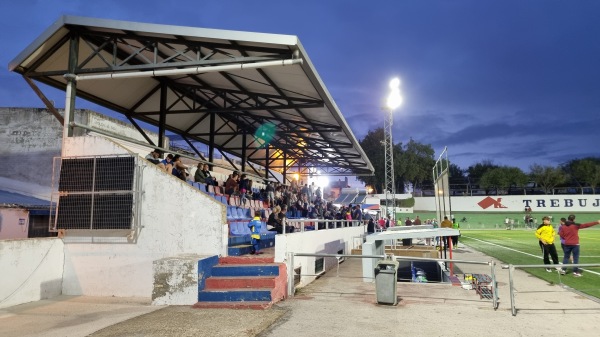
point(239, 250)
point(226, 295)
point(246, 270)
point(266, 240)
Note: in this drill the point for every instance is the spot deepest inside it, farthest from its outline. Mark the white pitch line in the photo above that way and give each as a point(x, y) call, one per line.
point(518, 251)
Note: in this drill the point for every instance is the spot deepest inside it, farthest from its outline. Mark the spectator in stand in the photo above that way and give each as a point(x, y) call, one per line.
point(570, 233)
point(283, 220)
point(179, 169)
point(302, 206)
point(231, 185)
point(167, 164)
point(408, 222)
point(357, 213)
point(274, 221)
point(304, 189)
point(243, 187)
point(318, 194)
point(203, 175)
point(277, 196)
point(154, 157)
point(270, 194)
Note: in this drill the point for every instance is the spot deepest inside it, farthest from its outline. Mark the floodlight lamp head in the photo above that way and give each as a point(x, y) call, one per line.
point(394, 99)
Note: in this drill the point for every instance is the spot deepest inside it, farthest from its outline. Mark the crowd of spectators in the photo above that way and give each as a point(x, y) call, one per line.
point(296, 200)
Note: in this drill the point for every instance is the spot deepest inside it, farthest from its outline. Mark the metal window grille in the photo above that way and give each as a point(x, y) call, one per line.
point(96, 193)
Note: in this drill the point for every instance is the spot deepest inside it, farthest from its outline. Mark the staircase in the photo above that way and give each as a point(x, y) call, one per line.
point(244, 282)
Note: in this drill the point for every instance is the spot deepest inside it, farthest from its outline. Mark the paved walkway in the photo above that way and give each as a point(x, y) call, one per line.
point(337, 304)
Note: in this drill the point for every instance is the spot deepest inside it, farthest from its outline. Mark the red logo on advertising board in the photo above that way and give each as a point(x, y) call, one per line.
point(489, 201)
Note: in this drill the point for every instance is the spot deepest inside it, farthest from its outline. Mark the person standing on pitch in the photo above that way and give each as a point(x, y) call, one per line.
point(570, 233)
point(545, 234)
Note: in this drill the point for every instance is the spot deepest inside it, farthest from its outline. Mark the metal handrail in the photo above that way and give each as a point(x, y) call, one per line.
point(303, 221)
point(511, 268)
point(291, 255)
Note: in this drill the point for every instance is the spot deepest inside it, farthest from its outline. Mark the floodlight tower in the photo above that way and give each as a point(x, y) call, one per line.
point(394, 100)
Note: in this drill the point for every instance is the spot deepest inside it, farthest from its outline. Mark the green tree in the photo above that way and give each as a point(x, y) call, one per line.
point(373, 145)
point(456, 175)
point(416, 163)
point(475, 172)
point(502, 179)
point(547, 177)
point(587, 172)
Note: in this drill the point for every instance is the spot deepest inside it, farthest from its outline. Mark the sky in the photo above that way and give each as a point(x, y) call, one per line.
point(516, 82)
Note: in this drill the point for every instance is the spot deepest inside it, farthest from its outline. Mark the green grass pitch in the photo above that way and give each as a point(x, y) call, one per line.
point(520, 247)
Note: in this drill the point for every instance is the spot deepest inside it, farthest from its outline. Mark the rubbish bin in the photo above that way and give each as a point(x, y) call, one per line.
point(386, 279)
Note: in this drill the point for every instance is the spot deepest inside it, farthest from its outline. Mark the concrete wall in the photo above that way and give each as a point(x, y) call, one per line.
point(14, 223)
point(516, 203)
point(31, 270)
point(176, 219)
point(32, 137)
point(316, 242)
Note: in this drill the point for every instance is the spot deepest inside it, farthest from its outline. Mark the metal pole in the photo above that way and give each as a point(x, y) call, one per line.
point(290, 274)
point(494, 285)
point(511, 269)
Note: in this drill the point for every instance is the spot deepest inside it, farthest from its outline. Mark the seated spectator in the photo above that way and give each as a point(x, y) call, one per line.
point(203, 176)
point(231, 185)
point(179, 169)
point(283, 220)
point(154, 157)
point(274, 221)
point(167, 164)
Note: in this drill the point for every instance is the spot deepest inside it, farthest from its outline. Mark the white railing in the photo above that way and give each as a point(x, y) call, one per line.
point(302, 225)
point(511, 269)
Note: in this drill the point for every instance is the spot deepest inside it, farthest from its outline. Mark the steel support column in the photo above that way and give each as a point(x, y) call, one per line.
point(71, 90)
point(162, 119)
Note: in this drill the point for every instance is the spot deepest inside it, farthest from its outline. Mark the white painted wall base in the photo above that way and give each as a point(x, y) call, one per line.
point(176, 219)
point(31, 270)
point(176, 280)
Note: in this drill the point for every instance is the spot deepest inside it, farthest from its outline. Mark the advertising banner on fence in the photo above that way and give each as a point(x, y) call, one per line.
point(517, 203)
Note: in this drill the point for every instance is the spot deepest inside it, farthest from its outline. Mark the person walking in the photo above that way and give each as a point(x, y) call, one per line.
point(456, 226)
point(570, 233)
point(545, 234)
point(255, 228)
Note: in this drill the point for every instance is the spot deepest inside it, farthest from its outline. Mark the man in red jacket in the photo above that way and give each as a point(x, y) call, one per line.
point(569, 232)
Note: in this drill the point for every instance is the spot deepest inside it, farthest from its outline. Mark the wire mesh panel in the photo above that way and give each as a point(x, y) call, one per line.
point(96, 193)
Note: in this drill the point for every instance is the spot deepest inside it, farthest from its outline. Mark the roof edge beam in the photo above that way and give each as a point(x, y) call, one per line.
point(189, 71)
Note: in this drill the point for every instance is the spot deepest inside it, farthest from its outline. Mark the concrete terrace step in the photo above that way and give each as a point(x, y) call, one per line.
point(252, 259)
point(270, 269)
point(257, 305)
point(239, 282)
point(244, 294)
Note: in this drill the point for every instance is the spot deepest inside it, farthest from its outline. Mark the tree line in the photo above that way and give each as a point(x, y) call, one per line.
point(413, 163)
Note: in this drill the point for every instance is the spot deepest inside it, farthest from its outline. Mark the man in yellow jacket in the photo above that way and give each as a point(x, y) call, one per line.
point(545, 234)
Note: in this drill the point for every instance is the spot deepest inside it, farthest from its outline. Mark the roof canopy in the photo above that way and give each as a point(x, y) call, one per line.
point(255, 96)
